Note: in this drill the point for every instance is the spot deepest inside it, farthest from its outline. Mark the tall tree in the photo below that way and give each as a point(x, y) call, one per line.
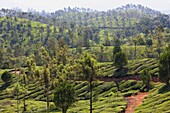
point(31, 66)
point(164, 66)
point(119, 57)
point(16, 91)
point(45, 56)
point(24, 77)
point(159, 35)
point(62, 52)
point(64, 96)
point(135, 41)
point(101, 53)
point(2, 57)
point(89, 69)
point(146, 78)
point(117, 47)
point(87, 36)
point(120, 60)
point(46, 75)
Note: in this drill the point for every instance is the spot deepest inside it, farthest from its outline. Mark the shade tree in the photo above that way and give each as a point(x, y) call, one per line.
point(164, 66)
point(6, 77)
point(89, 68)
point(46, 77)
point(64, 96)
point(146, 78)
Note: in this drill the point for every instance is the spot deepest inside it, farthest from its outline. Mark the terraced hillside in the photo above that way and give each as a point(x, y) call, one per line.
point(106, 97)
point(158, 100)
point(134, 67)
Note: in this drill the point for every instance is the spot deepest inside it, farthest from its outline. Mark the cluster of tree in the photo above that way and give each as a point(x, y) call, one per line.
point(48, 45)
point(59, 70)
point(57, 73)
point(20, 38)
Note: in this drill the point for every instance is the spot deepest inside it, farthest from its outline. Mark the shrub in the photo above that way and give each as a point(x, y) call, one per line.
point(6, 77)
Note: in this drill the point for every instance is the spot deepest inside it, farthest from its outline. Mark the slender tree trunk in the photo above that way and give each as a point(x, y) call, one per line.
point(24, 101)
point(117, 85)
point(135, 51)
point(91, 96)
point(167, 82)
point(151, 51)
point(17, 103)
point(47, 102)
point(148, 85)
point(64, 110)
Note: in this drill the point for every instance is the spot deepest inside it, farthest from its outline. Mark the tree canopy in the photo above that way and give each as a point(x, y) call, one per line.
point(64, 96)
point(120, 60)
point(164, 66)
point(6, 77)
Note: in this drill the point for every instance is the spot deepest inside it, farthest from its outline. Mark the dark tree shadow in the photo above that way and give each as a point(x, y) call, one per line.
point(164, 89)
point(4, 86)
point(120, 72)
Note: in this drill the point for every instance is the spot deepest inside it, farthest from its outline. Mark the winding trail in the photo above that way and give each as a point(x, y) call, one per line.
point(134, 101)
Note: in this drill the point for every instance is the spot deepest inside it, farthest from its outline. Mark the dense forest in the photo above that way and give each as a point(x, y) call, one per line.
point(101, 56)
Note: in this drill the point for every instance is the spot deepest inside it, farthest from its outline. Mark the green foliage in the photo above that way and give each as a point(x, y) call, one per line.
point(6, 77)
point(31, 64)
point(44, 56)
point(146, 78)
point(88, 66)
point(117, 47)
point(120, 60)
point(58, 47)
point(64, 96)
point(46, 75)
point(149, 42)
point(89, 69)
point(17, 89)
point(119, 57)
point(164, 66)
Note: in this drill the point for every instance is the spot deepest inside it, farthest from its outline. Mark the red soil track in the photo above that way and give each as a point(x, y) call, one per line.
point(135, 101)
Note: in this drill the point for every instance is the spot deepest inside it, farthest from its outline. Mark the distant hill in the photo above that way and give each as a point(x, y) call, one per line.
point(85, 17)
point(128, 16)
point(77, 26)
point(122, 17)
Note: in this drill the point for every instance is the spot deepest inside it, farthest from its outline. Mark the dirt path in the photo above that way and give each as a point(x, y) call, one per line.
point(16, 72)
point(135, 101)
